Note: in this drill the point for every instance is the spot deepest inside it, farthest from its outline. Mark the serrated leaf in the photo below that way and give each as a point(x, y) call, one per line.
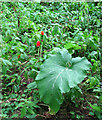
point(57, 75)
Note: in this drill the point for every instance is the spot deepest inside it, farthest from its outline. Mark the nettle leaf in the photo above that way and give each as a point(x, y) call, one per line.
point(57, 75)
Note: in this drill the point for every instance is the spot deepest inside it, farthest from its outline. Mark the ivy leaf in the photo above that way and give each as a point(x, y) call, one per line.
point(57, 75)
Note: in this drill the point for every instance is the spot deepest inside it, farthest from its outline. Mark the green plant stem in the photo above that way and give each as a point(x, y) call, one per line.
point(41, 52)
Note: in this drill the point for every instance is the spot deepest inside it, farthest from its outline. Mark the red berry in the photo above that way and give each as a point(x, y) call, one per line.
point(42, 33)
point(19, 56)
point(38, 43)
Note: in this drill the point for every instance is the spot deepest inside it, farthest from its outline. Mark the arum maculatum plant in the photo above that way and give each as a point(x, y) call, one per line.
point(58, 74)
point(42, 34)
point(39, 45)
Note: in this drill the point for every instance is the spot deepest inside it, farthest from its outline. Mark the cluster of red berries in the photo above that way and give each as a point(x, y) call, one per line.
point(38, 42)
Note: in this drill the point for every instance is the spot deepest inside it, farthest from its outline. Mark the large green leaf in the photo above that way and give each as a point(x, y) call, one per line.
point(57, 75)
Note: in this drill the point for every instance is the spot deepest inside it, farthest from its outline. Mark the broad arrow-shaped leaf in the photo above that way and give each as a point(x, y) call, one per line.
point(57, 75)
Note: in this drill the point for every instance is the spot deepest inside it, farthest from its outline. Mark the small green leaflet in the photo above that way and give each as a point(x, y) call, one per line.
point(57, 75)
point(72, 46)
point(32, 85)
point(23, 111)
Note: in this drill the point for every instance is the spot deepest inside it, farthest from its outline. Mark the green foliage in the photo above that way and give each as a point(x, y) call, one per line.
point(32, 85)
point(71, 47)
point(28, 109)
point(57, 75)
point(74, 26)
point(97, 108)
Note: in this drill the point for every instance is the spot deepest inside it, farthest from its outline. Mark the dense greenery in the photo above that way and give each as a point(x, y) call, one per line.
point(40, 37)
point(58, 75)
